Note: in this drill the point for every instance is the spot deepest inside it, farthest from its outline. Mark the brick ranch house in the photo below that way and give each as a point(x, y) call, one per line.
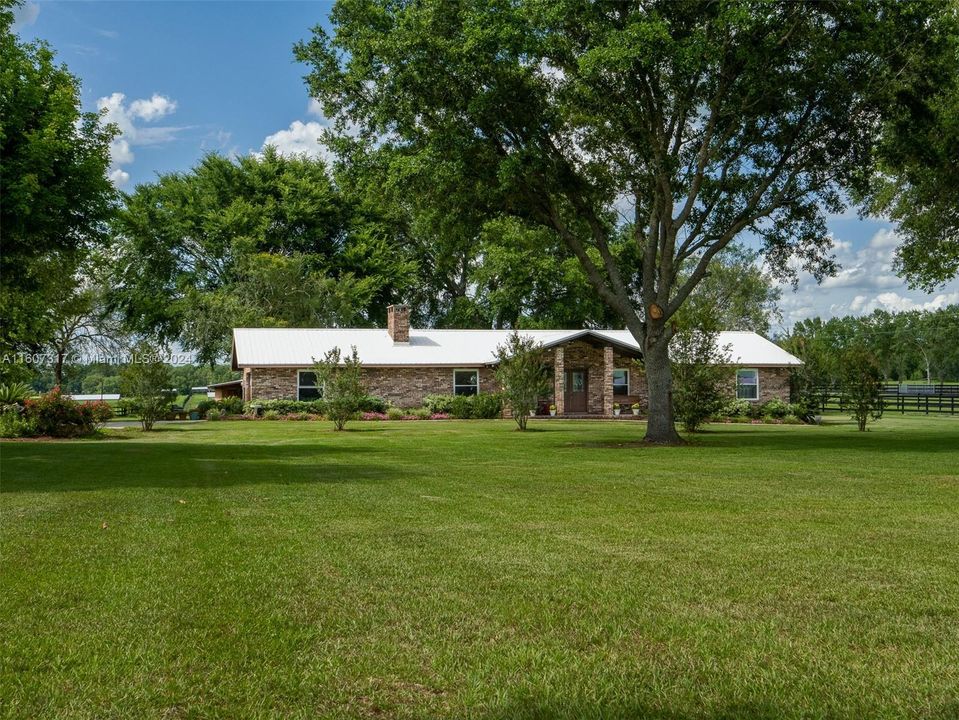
point(591, 369)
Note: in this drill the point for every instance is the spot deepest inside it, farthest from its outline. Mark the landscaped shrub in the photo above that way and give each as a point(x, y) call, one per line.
point(522, 376)
point(775, 408)
point(861, 382)
point(700, 370)
point(204, 405)
point(373, 404)
point(271, 415)
point(487, 406)
point(341, 377)
point(57, 416)
point(462, 407)
point(424, 413)
point(146, 382)
point(14, 423)
point(373, 416)
point(14, 393)
point(100, 411)
point(231, 405)
point(214, 414)
point(286, 407)
point(736, 408)
point(439, 403)
point(395, 413)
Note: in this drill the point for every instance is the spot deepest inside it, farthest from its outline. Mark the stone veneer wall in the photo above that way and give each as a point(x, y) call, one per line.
point(404, 387)
point(583, 356)
point(637, 382)
point(773, 384)
point(272, 383)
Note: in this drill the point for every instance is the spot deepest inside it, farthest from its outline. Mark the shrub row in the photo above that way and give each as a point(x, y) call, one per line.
point(370, 403)
point(484, 406)
point(774, 409)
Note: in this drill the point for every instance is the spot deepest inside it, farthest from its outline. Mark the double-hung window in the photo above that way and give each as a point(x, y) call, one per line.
point(306, 386)
point(747, 384)
point(466, 382)
point(621, 382)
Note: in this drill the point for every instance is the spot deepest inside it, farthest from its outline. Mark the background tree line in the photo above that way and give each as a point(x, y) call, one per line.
point(565, 165)
point(915, 345)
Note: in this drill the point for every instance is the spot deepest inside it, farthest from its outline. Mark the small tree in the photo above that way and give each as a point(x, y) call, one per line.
point(343, 393)
point(146, 381)
point(701, 374)
point(521, 375)
point(861, 381)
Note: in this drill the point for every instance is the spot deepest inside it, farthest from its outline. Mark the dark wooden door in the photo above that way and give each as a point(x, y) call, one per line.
point(577, 387)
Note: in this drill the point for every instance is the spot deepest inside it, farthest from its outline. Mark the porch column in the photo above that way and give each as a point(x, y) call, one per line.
point(607, 380)
point(559, 379)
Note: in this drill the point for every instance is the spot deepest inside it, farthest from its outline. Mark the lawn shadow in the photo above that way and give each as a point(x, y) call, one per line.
point(785, 439)
point(84, 466)
point(557, 707)
point(792, 438)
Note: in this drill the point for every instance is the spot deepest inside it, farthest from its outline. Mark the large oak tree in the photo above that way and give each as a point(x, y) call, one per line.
point(56, 198)
point(698, 121)
point(257, 240)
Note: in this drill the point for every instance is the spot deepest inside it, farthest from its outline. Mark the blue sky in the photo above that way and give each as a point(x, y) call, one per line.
point(185, 78)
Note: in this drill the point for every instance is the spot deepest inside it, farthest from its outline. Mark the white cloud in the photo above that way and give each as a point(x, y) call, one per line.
point(895, 302)
point(153, 109)
point(858, 303)
point(866, 282)
point(119, 177)
point(314, 108)
point(25, 14)
point(127, 117)
point(301, 138)
point(885, 238)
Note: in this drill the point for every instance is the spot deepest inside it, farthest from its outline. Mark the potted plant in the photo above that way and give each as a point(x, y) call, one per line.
point(635, 407)
point(616, 409)
point(552, 410)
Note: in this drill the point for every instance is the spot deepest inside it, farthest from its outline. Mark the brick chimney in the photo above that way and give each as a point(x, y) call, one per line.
point(398, 323)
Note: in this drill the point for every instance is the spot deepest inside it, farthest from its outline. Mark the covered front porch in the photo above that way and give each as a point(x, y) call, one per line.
point(591, 375)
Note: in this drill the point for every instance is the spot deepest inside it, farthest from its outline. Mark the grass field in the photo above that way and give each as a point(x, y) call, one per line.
point(461, 569)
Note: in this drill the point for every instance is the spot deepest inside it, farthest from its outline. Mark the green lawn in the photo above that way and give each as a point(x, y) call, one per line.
point(461, 569)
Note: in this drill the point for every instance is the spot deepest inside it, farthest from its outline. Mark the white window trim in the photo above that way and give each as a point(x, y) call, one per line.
point(299, 386)
point(755, 370)
point(629, 381)
point(472, 370)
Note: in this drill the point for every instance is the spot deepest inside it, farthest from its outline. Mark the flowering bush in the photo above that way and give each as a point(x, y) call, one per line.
point(100, 411)
point(374, 416)
point(54, 415)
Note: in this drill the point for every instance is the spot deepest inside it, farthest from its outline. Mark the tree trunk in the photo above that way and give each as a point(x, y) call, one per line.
point(661, 428)
point(58, 370)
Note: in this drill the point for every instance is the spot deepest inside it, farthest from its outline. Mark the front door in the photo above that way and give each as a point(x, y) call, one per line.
point(577, 382)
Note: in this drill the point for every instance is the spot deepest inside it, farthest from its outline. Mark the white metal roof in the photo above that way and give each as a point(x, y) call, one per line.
point(288, 347)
